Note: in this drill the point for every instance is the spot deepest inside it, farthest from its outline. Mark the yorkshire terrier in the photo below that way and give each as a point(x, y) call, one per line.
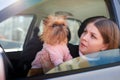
point(55, 50)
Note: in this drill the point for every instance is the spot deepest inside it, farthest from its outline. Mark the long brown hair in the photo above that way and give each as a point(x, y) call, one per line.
point(109, 31)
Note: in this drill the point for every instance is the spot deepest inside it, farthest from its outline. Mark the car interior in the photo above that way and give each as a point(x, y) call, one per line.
point(26, 25)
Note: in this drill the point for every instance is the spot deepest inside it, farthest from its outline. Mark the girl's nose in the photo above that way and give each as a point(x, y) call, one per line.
point(85, 37)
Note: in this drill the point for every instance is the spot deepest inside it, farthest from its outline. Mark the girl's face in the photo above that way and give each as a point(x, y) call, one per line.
point(91, 40)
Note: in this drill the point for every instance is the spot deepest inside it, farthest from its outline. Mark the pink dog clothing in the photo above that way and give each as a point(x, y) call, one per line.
point(51, 56)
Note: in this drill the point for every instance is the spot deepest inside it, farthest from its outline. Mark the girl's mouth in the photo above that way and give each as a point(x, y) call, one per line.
point(82, 45)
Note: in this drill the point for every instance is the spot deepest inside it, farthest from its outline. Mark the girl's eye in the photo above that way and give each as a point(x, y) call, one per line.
point(93, 37)
point(85, 31)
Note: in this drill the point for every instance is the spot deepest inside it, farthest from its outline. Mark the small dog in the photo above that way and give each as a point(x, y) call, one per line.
point(55, 30)
point(55, 50)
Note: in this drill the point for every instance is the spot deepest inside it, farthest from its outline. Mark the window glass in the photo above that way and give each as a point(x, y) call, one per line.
point(13, 31)
point(90, 60)
point(73, 26)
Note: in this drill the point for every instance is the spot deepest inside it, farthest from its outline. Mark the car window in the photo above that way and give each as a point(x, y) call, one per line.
point(74, 26)
point(13, 31)
point(90, 60)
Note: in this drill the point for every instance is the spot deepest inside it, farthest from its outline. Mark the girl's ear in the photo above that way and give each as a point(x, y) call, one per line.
point(105, 47)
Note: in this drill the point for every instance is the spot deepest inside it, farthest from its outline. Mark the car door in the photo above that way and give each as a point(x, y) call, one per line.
point(16, 29)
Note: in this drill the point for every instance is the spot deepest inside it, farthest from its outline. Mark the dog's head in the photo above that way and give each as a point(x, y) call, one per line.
point(55, 30)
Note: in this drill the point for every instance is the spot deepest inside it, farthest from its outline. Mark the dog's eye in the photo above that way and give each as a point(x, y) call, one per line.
point(60, 25)
point(54, 25)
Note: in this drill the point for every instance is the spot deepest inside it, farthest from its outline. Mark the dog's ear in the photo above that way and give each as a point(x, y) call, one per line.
point(46, 20)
